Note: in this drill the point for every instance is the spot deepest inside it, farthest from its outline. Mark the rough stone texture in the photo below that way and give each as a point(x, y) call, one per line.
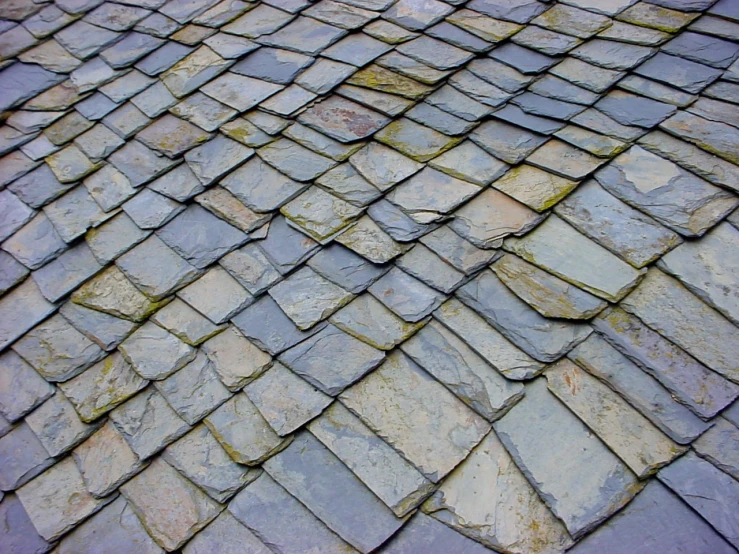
point(560, 249)
point(509, 517)
point(719, 446)
point(669, 308)
point(21, 388)
point(391, 400)
point(170, 528)
point(544, 450)
point(236, 360)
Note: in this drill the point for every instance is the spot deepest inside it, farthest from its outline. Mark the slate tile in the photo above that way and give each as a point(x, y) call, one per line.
point(21, 388)
point(344, 268)
point(547, 41)
point(259, 21)
point(154, 353)
point(225, 534)
point(23, 457)
point(714, 137)
point(506, 142)
point(274, 514)
point(658, 518)
point(656, 17)
point(304, 35)
point(525, 60)
point(139, 163)
point(435, 53)
point(57, 425)
point(149, 210)
point(510, 11)
point(20, 309)
point(18, 530)
point(456, 251)
point(324, 75)
point(285, 400)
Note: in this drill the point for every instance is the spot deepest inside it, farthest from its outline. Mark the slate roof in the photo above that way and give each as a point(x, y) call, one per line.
point(413, 276)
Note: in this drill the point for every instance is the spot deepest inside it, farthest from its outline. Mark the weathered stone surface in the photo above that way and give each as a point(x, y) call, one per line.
point(623, 230)
point(712, 136)
point(595, 143)
point(414, 140)
point(331, 360)
point(102, 387)
point(154, 353)
point(21, 388)
point(427, 534)
point(236, 360)
point(720, 446)
point(345, 268)
point(337, 497)
point(243, 433)
point(456, 251)
point(191, 511)
point(200, 457)
point(509, 517)
point(216, 295)
point(250, 267)
point(105, 461)
point(702, 390)
point(543, 339)
point(707, 268)
point(630, 109)
point(666, 306)
point(285, 400)
point(20, 310)
point(319, 214)
point(185, 323)
point(171, 136)
point(57, 500)
point(272, 513)
point(57, 350)
point(405, 296)
point(114, 529)
point(295, 161)
point(645, 393)
point(195, 390)
point(492, 216)
point(225, 534)
point(22, 455)
point(193, 71)
point(629, 434)
point(462, 371)
point(557, 247)
point(343, 120)
point(149, 210)
point(307, 298)
point(707, 490)
point(391, 400)
point(547, 294)
point(367, 239)
point(111, 293)
point(114, 237)
point(148, 423)
point(57, 425)
point(157, 282)
point(35, 243)
point(658, 519)
point(544, 449)
point(423, 264)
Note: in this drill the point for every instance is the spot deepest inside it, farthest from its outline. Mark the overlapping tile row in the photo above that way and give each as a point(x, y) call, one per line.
point(408, 276)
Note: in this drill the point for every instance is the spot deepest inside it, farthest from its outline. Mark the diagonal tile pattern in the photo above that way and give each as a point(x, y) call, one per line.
point(399, 276)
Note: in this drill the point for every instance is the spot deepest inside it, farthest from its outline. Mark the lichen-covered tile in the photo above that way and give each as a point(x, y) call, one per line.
point(383, 166)
point(708, 490)
point(23, 457)
point(332, 360)
point(188, 511)
point(280, 520)
point(492, 216)
point(487, 342)
point(102, 387)
point(112, 293)
point(216, 295)
point(355, 513)
point(195, 390)
point(713, 136)
point(471, 163)
point(631, 436)
point(203, 111)
point(200, 458)
point(114, 529)
point(57, 350)
point(669, 308)
point(106, 461)
point(285, 400)
point(319, 214)
point(57, 500)
point(185, 323)
point(243, 433)
point(155, 353)
point(644, 392)
point(511, 517)
point(414, 140)
point(169, 274)
point(536, 188)
point(547, 294)
point(703, 391)
point(469, 377)
point(225, 534)
point(21, 388)
point(706, 268)
point(583, 500)
point(368, 240)
point(391, 400)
